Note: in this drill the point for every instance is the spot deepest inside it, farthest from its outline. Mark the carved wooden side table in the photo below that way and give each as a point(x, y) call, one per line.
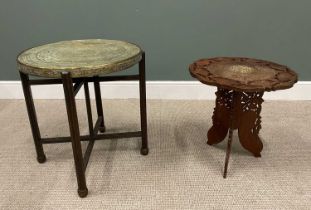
point(241, 83)
point(75, 64)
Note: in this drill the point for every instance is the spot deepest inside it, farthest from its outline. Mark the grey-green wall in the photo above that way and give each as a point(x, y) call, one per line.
point(172, 32)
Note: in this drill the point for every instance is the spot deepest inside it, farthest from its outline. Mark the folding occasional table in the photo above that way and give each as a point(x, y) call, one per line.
point(75, 64)
point(241, 83)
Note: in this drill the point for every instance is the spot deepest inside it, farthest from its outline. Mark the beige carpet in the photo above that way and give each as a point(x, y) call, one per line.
point(180, 172)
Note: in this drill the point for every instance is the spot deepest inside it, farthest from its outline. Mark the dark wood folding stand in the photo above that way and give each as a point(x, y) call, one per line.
point(71, 87)
point(241, 83)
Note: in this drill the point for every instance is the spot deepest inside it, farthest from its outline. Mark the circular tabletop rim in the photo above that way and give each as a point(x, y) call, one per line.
point(79, 72)
point(243, 89)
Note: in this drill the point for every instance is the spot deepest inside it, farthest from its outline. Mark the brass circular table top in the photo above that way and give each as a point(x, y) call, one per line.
point(82, 58)
point(243, 74)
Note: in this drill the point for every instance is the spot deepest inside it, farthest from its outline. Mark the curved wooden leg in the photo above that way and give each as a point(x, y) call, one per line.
point(221, 117)
point(249, 125)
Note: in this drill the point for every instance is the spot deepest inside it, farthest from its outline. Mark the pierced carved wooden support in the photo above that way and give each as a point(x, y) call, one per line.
point(246, 118)
point(250, 121)
point(221, 120)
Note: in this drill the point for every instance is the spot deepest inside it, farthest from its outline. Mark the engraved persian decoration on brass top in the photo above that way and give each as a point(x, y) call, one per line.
point(82, 58)
point(243, 74)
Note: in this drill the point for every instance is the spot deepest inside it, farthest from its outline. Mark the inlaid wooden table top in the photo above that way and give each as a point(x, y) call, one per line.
point(243, 74)
point(82, 58)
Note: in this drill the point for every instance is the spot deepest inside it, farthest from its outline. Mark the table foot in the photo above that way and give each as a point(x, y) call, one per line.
point(216, 134)
point(41, 159)
point(102, 129)
point(144, 151)
point(83, 192)
point(251, 142)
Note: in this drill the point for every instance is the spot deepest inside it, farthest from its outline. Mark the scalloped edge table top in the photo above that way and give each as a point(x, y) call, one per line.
point(82, 58)
point(243, 74)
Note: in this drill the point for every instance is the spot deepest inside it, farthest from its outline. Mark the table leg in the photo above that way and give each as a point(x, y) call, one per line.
point(99, 105)
point(231, 100)
point(32, 117)
point(74, 133)
point(221, 116)
point(143, 110)
point(88, 108)
point(229, 145)
point(250, 122)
